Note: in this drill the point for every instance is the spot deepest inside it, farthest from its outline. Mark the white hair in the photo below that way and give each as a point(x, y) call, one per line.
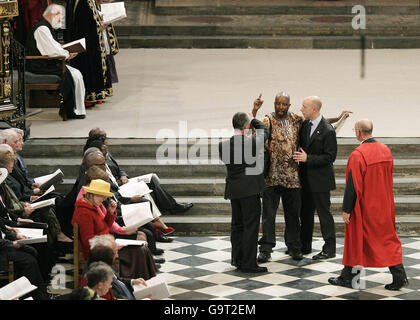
point(53, 9)
point(282, 94)
point(19, 131)
point(6, 147)
point(106, 240)
point(8, 134)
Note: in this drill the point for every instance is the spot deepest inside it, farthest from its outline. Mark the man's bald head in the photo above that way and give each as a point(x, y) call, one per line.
point(311, 107)
point(363, 129)
point(365, 126)
point(315, 101)
point(97, 131)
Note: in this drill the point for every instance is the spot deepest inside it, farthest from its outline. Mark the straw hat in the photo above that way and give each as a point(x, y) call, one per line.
point(100, 187)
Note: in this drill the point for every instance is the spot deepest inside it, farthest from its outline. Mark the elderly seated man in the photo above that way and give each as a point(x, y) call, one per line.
point(41, 41)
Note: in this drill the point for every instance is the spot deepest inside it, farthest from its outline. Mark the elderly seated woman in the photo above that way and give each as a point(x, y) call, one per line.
point(24, 210)
point(103, 248)
point(98, 283)
point(135, 261)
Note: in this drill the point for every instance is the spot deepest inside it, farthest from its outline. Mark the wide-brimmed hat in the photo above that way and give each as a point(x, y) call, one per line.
point(3, 173)
point(100, 187)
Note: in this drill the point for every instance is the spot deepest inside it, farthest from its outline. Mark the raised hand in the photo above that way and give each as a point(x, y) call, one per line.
point(257, 105)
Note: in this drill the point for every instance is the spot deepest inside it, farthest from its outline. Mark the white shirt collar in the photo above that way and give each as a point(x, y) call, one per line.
point(315, 123)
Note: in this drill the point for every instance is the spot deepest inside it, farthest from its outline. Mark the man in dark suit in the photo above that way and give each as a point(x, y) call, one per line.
point(244, 159)
point(316, 155)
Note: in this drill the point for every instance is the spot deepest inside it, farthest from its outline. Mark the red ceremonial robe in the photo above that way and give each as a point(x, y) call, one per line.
point(370, 239)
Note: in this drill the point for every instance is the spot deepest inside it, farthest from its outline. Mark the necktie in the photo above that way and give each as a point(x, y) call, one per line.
point(308, 137)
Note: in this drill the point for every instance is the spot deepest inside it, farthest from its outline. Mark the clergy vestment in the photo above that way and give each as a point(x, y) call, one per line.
point(370, 238)
point(41, 42)
point(84, 21)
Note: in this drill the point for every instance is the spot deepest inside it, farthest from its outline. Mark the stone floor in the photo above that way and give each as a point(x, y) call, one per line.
point(193, 92)
point(198, 268)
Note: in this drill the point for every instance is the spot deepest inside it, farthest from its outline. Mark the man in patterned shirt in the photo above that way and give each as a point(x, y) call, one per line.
point(282, 179)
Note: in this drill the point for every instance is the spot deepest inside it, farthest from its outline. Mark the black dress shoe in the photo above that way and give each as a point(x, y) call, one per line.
point(63, 115)
point(157, 252)
point(180, 207)
point(159, 260)
point(254, 270)
point(76, 116)
point(162, 238)
point(297, 255)
point(263, 257)
point(339, 281)
point(158, 266)
point(397, 285)
point(323, 255)
point(308, 251)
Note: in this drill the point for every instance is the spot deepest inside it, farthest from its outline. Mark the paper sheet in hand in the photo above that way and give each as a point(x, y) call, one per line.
point(112, 12)
point(42, 204)
point(50, 189)
point(49, 179)
point(146, 178)
point(136, 214)
point(31, 240)
point(155, 211)
point(31, 232)
point(340, 124)
point(16, 289)
point(156, 286)
point(132, 189)
point(129, 242)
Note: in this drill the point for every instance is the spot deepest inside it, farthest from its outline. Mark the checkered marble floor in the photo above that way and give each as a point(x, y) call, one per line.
point(198, 268)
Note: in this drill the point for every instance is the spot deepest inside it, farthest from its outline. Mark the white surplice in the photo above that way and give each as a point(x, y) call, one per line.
point(48, 46)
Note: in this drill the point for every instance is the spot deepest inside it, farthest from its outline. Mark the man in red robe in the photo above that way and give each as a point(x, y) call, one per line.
point(370, 239)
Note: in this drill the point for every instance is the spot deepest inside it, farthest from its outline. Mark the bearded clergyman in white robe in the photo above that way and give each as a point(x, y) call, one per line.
point(42, 42)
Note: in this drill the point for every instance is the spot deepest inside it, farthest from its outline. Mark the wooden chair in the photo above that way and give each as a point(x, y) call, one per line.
point(78, 260)
point(10, 274)
point(37, 85)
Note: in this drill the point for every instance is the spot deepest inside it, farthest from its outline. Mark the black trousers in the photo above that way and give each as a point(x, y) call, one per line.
point(26, 265)
point(246, 214)
point(319, 201)
point(397, 271)
point(164, 201)
point(67, 90)
point(291, 200)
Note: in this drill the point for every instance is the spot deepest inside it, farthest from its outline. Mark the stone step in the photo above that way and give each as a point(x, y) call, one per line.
point(404, 205)
point(408, 225)
point(147, 148)
point(269, 30)
point(179, 168)
point(224, 7)
point(216, 187)
point(266, 24)
point(267, 42)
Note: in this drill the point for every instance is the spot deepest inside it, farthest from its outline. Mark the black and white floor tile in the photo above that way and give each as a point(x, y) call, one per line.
point(198, 268)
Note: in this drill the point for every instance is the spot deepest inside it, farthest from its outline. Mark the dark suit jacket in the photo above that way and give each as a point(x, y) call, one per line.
point(115, 168)
point(238, 183)
point(20, 184)
point(318, 170)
